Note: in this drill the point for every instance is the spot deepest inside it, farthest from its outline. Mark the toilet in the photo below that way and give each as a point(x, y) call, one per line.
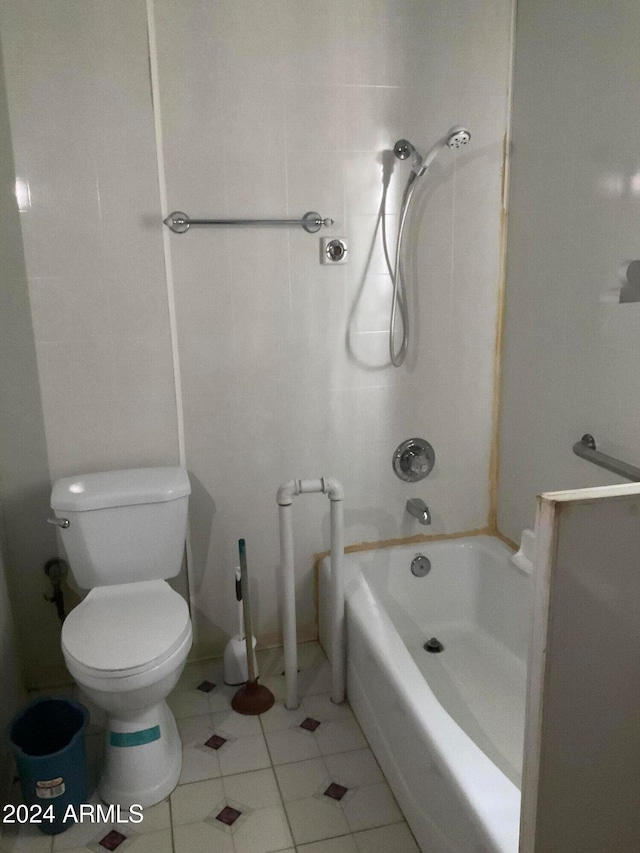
point(127, 642)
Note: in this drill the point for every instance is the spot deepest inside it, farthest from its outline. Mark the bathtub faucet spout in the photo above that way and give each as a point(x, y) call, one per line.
point(418, 509)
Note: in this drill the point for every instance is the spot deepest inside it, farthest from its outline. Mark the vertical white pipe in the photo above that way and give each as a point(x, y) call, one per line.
point(338, 649)
point(288, 606)
point(171, 301)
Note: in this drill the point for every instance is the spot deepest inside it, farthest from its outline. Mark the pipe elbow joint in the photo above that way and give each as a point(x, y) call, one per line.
point(333, 489)
point(286, 492)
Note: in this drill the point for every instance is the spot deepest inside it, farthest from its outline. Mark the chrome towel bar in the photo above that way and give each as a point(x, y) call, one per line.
point(586, 449)
point(180, 223)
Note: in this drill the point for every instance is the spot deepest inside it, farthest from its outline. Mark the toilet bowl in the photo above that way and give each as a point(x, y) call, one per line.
point(127, 642)
point(127, 666)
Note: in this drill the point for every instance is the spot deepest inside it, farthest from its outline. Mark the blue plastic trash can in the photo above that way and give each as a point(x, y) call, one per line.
point(48, 739)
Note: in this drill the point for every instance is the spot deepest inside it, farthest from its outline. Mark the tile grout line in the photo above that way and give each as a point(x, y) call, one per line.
point(275, 776)
point(173, 836)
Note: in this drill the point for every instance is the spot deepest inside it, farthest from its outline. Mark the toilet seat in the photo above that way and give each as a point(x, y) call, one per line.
point(125, 629)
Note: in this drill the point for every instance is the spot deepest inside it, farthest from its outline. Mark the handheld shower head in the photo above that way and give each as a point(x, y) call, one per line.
point(457, 137)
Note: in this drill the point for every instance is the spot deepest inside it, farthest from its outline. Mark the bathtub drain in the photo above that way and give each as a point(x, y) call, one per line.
point(433, 645)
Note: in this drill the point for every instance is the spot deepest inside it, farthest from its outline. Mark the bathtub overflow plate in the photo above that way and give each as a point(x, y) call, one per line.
point(420, 566)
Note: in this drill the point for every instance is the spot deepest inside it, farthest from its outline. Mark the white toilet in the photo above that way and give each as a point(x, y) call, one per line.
point(126, 643)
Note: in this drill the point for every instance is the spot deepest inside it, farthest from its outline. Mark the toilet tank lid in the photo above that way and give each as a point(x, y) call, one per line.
point(119, 488)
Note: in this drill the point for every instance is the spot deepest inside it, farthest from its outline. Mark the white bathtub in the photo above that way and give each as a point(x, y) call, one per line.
point(447, 728)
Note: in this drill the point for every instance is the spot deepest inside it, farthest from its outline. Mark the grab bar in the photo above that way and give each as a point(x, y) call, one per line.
point(586, 449)
point(180, 223)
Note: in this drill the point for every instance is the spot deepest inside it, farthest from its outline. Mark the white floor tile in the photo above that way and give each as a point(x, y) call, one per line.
point(78, 835)
point(276, 685)
point(343, 844)
point(244, 754)
point(310, 655)
point(354, 768)
point(278, 718)
point(213, 670)
point(26, 838)
point(201, 838)
point(340, 736)
point(264, 831)
point(220, 698)
point(192, 675)
point(35, 849)
point(292, 745)
point(188, 703)
point(198, 762)
point(270, 662)
point(155, 818)
point(313, 820)
point(193, 803)
point(315, 680)
point(238, 725)
point(153, 842)
point(320, 707)
point(396, 838)
point(302, 779)
point(371, 806)
point(257, 790)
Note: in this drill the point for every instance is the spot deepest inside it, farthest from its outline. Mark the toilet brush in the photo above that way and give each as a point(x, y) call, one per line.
point(235, 656)
point(252, 698)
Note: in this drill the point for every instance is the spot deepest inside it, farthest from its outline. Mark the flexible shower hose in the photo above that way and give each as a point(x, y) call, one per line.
point(399, 298)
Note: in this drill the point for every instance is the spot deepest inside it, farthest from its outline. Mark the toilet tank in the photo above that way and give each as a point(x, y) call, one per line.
point(124, 526)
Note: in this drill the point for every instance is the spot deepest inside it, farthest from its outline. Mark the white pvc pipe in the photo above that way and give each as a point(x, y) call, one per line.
point(335, 492)
point(288, 606)
point(337, 602)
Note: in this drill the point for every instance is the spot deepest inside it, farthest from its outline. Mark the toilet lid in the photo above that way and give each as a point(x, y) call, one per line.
point(125, 626)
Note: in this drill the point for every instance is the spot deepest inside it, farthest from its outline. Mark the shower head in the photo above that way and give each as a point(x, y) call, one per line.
point(455, 138)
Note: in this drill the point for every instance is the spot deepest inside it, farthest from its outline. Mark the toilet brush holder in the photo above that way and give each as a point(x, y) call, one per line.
point(235, 668)
point(235, 661)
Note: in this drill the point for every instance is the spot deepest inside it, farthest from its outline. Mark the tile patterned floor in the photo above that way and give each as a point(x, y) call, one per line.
point(286, 781)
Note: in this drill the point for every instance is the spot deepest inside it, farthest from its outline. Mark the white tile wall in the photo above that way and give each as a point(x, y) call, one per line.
point(300, 124)
point(570, 357)
point(82, 127)
point(268, 110)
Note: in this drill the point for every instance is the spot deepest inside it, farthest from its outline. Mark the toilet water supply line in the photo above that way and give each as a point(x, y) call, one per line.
point(333, 489)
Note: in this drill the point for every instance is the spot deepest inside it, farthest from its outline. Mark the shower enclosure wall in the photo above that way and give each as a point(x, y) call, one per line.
point(235, 350)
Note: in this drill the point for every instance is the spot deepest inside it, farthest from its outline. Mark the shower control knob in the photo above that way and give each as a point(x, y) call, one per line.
point(413, 460)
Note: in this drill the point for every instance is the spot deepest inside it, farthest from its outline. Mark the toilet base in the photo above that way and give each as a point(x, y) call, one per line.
point(143, 757)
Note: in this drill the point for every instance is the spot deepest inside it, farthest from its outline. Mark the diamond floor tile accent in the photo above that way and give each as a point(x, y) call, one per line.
point(215, 742)
point(228, 815)
point(206, 686)
point(112, 840)
point(310, 724)
point(335, 791)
